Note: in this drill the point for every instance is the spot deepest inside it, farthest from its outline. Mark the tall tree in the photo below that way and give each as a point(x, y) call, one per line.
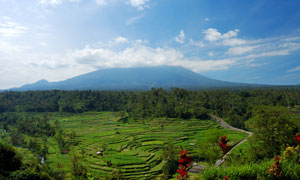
point(272, 128)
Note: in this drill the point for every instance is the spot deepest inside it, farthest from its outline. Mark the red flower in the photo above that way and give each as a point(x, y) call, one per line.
point(226, 178)
point(297, 138)
point(182, 172)
point(277, 158)
point(223, 144)
point(184, 165)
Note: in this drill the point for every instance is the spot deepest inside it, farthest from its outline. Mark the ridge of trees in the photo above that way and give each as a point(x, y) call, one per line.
point(234, 105)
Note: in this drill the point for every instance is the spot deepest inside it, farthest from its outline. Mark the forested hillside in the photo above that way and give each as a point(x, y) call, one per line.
point(234, 105)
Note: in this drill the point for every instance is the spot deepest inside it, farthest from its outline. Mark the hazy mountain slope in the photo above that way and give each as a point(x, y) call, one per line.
point(140, 78)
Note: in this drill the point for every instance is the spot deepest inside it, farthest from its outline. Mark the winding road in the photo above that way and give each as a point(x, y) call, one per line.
point(222, 123)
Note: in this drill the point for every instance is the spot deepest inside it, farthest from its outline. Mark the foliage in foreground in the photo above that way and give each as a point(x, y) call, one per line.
point(273, 128)
point(287, 168)
point(13, 168)
point(252, 171)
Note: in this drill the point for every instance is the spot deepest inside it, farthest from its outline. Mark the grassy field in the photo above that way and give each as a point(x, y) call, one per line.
point(133, 148)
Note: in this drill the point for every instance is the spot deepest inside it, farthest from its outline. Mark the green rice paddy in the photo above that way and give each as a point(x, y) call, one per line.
point(132, 148)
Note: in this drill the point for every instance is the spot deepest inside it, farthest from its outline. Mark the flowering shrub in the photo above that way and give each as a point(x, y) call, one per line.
point(223, 144)
point(293, 153)
point(226, 178)
point(275, 168)
point(297, 138)
point(184, 165)
point(289, 153)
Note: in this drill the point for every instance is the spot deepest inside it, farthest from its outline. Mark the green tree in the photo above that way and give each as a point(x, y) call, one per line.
point(170, 157)
point(9, 160)
point(273, 128)
point(17, 138)
point(208, 148)
point(78, 170)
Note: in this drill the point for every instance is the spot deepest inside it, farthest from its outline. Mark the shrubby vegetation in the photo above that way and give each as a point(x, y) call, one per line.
point(289, 171)
point(274, 136)
point(273, 128)
point(12, 166)
point(170, 157)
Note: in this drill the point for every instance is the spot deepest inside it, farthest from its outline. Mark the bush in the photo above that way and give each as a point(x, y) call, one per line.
point(12, 167)
point(170, 157)
point(9, 160)
point(290, 171)
point(28, 174)
point(272, 128)
point(246, 172)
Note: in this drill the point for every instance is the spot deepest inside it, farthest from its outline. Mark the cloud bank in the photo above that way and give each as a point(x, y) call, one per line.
point(10, 29)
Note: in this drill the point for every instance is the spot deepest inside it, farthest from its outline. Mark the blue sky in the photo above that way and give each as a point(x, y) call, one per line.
point(251, 41)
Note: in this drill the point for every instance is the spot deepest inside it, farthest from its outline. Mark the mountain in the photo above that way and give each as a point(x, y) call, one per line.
point(139, 78)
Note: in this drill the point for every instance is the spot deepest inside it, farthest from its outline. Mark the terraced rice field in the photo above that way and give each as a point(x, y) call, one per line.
point(133, 148)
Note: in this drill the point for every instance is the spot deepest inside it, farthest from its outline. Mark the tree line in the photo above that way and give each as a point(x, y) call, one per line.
point(235, 105)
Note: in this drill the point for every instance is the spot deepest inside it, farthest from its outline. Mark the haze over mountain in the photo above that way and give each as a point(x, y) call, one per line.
point(139, 78)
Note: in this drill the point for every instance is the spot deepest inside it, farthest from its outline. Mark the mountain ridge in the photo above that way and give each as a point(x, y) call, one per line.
point(137, 78)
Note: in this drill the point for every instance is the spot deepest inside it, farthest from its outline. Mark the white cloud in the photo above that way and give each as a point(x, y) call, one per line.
point(209, 65)
point(250, 63)
point(240, 50)
point(51, 2)
point(44, 44)
point(292, 38)
point(134, 19)
point(140, 55)
point(210, 54)
point(213, 35)
point(139, 4)
point(57, 2)
point(256, 65)
point(231, 34)
point(9, 48)
point(233, 42)
point(10, 29)
point(139, 41)
point(248, 49)
point(121, 39)
point(129, 57)
point(197, 44)
point(294, 69)
point(207, 19)
point(137, 54)
point(101, 2)
point(292, 46)
point(275, 46)
point(270, 53)
point(180, 38)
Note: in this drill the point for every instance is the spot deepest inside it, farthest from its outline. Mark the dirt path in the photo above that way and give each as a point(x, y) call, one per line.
point(222, 123)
